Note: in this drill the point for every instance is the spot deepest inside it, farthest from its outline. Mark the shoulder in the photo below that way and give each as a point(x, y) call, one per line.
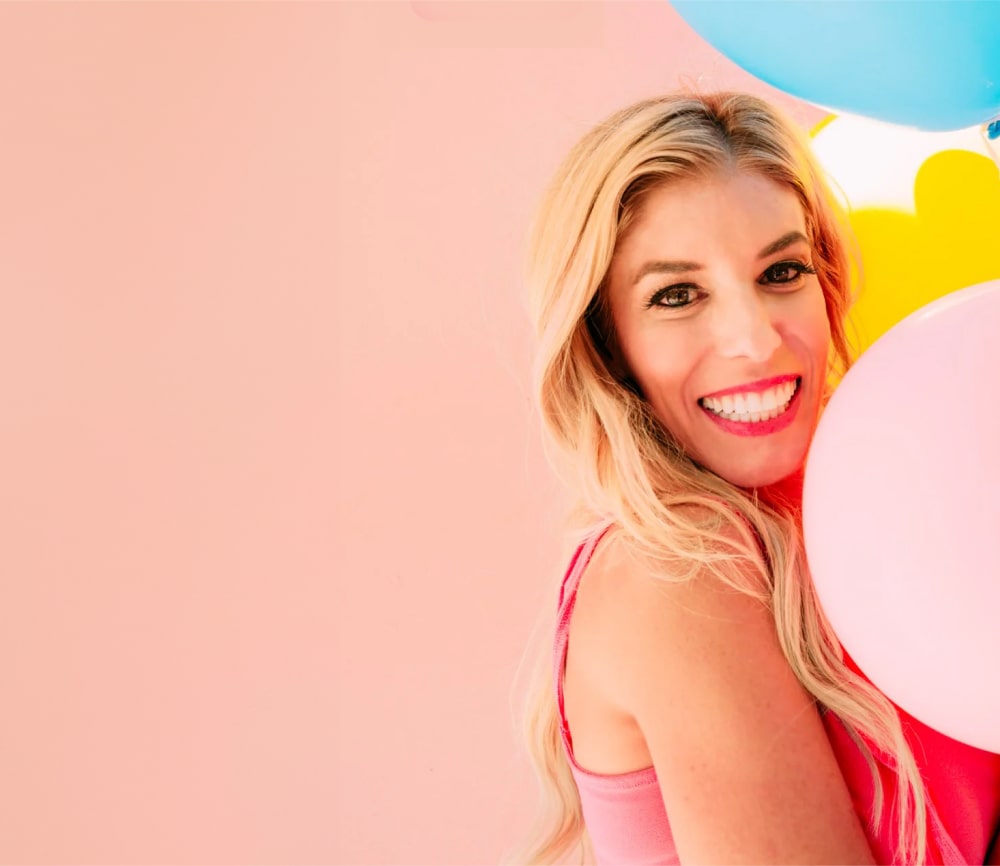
point(640, 618)
point(743, 762)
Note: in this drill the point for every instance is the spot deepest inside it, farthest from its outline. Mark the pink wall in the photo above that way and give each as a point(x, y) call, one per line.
point(275, 519)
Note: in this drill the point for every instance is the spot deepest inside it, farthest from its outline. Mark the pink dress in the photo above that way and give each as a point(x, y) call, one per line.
point(627, 822)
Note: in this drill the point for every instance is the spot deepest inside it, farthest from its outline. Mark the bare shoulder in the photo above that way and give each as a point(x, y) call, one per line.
point(746, 771)
point(627, 601)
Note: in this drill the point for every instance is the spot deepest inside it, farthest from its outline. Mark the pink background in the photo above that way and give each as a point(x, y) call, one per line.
point(276, 524)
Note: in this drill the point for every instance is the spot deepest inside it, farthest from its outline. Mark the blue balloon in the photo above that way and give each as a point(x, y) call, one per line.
point(933, 64)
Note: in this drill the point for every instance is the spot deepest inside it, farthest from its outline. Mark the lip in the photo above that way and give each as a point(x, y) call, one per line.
point(754, 387)
point(759, 428)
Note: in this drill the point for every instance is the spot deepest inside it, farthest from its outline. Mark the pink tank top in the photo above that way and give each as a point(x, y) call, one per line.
point(627, 822)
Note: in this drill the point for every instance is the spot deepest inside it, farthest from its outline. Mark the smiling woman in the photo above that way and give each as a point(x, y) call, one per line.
point(688, 278)
point(743, 311)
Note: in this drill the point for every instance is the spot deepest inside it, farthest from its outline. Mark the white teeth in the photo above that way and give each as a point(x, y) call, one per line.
point(751, 407)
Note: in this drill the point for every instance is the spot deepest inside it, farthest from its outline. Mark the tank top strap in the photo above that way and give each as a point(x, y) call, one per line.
point(567, 600)
point(950, 853)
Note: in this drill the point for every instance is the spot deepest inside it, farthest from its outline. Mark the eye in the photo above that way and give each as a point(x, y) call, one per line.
point(784, 273)
point(673, 297)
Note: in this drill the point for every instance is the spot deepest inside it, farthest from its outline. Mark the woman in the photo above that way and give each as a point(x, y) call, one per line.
point(689, 284)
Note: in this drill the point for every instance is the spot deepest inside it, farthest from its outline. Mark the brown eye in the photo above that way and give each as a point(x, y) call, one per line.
point(786, 272)
point(673, 296)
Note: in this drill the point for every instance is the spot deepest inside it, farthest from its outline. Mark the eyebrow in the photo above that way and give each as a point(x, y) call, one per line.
point(665, 267)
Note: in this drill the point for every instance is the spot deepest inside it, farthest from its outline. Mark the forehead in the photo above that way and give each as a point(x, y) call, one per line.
point(735, 213)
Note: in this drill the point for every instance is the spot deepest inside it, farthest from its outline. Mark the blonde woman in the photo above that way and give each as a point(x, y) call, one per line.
point(689, 283)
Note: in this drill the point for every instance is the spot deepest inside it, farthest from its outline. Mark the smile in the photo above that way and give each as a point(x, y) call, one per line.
point(755, 413)
point(753, 407)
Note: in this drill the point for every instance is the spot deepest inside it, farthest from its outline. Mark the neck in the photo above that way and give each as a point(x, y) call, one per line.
point(787, 491)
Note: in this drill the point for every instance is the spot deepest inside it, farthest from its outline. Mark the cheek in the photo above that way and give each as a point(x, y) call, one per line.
point(663, 361)
point(817, 333)
point(822, 334)
point(810, 326)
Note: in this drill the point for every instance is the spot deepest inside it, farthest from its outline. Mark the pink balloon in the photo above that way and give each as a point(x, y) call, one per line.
point(901, 510)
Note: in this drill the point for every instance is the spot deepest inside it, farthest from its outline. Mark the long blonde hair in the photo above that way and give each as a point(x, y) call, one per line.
point(603, 441)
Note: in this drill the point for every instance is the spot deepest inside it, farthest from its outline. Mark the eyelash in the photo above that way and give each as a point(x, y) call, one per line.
point(654, 301)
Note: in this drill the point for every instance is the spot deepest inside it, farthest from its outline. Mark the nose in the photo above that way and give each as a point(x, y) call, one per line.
point(744, 328)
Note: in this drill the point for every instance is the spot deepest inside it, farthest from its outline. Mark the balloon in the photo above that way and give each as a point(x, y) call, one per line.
point(933, 65)
point(901, 511)
point(925, 209)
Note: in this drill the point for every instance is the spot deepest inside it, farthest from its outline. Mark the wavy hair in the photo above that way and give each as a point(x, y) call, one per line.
point(603, 441)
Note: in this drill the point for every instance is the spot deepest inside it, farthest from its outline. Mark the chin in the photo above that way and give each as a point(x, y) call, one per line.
point(757, 482)
point(758, 477)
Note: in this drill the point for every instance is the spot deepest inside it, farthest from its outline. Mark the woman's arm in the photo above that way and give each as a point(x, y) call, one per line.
point(746, 770)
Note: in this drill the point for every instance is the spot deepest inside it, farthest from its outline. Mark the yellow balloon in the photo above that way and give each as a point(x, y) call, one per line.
point(925, 208)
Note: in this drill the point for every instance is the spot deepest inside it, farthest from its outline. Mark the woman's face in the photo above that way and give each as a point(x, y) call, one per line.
point(722, 324)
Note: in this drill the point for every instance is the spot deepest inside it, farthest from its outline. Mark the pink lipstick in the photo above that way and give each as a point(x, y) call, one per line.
point(757, 428)
point(754, 387)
